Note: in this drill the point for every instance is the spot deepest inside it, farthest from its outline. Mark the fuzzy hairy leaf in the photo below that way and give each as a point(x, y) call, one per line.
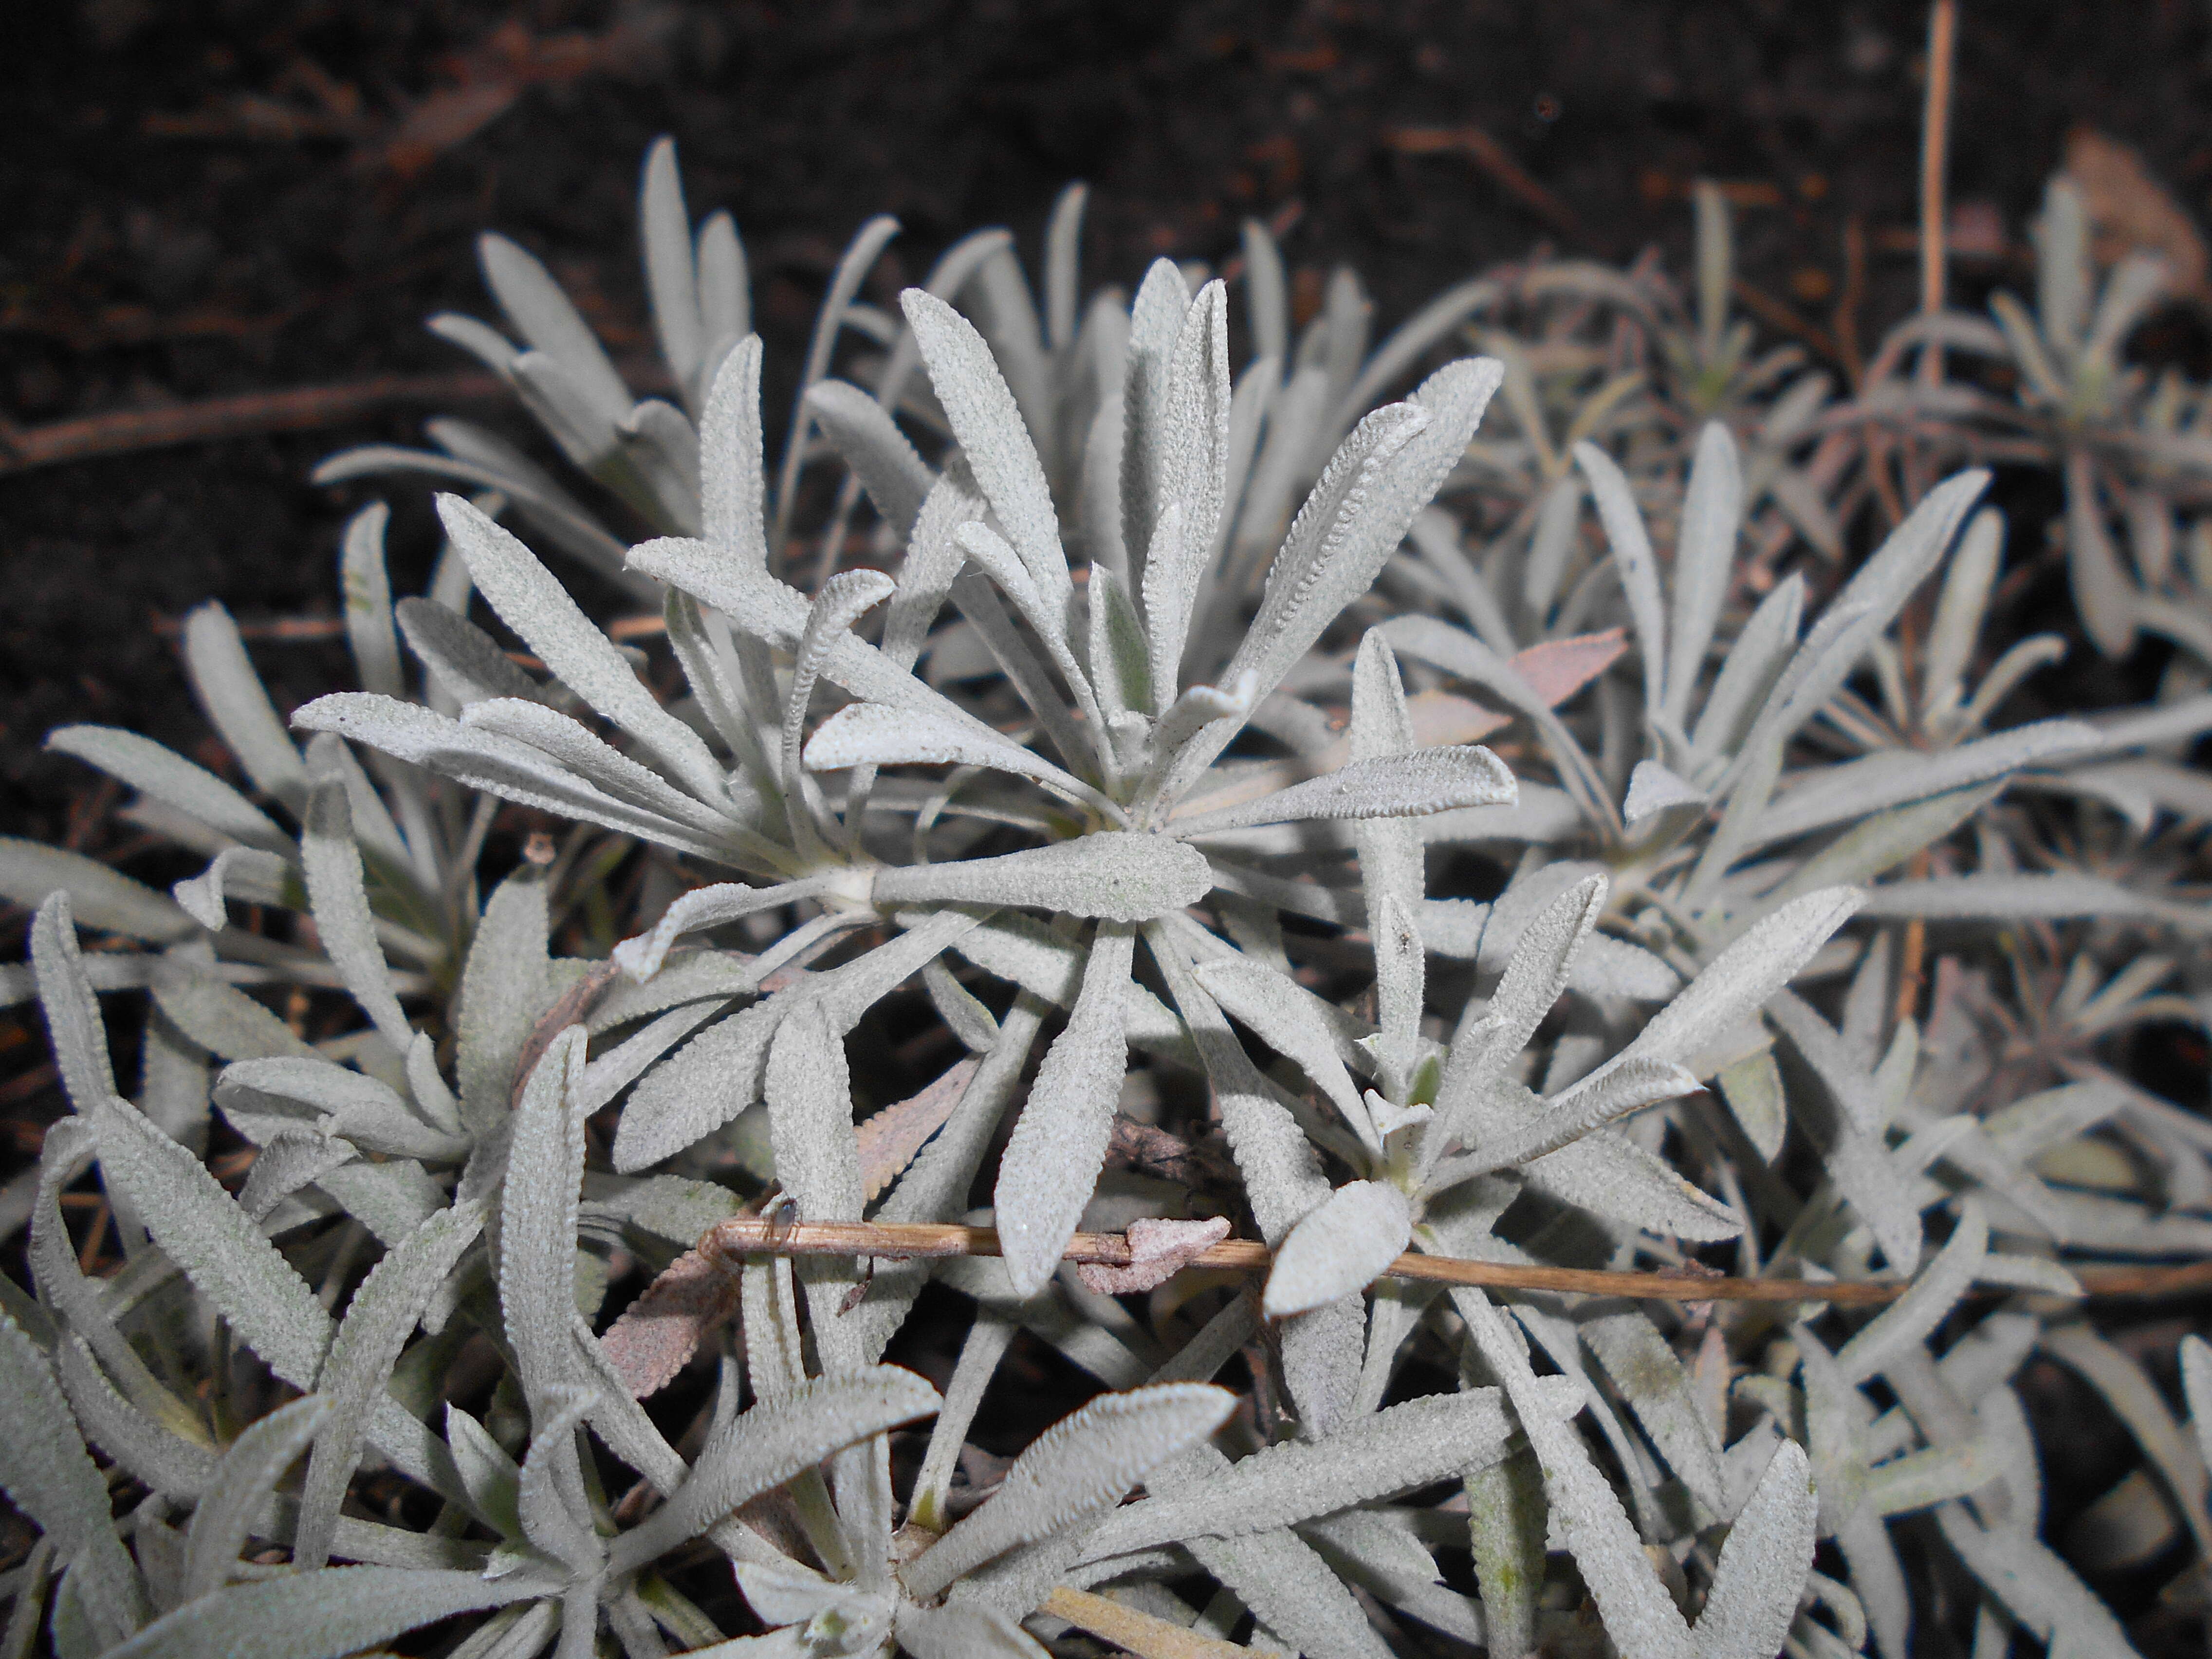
point(201, 1228)
point(537, 1229)
point(875, 734)
point(1338, 1249)
point(809, 1088)
point(1763, 1564)
point(768, 1445)
point(50, 1478)
point(1734, 985)
point(239, 1488)
point(992, 436)
point(318, 1615)
point(1051, 1164)
point(1413, 785)
point(1113, 875)
point(154, 770)
point(1082, 1465)
point(1436, 1437)
point(536, 606)
point(379, 1319)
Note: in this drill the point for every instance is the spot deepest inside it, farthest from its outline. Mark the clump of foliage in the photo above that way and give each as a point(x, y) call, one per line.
point(1148, 770)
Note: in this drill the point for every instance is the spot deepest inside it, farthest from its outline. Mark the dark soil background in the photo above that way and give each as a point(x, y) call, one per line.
point(204, 200)
point(217, 198)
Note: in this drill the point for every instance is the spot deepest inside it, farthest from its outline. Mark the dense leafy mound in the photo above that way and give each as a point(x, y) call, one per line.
point(1130, 773)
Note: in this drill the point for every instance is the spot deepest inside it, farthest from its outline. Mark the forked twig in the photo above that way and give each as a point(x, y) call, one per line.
point(747, 1236)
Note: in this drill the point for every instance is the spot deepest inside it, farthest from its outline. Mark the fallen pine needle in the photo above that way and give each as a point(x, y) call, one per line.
point(750, 1236)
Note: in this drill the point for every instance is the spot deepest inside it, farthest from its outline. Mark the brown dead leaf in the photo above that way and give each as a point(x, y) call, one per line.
point(659, 1332)
point(1559, 668)
point(2133, 212)
point(890, 1139)
point(1159, 1250)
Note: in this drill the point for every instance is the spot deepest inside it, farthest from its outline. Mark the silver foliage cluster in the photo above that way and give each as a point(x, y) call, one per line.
point(1129, 772)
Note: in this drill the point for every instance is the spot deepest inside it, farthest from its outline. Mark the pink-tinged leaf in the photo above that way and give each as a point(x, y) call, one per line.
point(660, 1331)
point(1559, 668)
point(890, 1140)
point(1159, 1250)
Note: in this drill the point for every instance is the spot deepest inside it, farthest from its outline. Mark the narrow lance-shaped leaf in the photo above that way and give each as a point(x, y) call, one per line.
point(148, 766)
point(875, 734)
point(50, 1478)
point(769, 1444)
point(532, 602)
point(1112, 875)
point(228, 1258)
point(1052, 1162)
point(1427, 781)
point(1704, 557)
point(1081, 1466)
point(1434, 1437)
point(1633, 558)
point(240, 1488)
point(1736, 982)
point(318, 1615)
point(383, 1313)
point(537, 1229)
point(232, 694)
point(993, 436)
point(810, 1116)
point(1338, 1249)
point(74, 1027)
point(1761, 1573)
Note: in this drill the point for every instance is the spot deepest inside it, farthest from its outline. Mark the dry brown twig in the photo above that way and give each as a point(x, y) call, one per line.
point(747, 1235)
point(302, 408)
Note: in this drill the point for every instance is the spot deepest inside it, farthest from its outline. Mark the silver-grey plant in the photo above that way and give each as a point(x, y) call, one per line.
point(1141, 783)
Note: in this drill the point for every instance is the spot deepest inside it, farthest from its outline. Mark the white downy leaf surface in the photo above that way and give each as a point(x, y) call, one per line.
point(324, 1615)
point(49, 1476)
point(992, 436)
point(538, 1228)
point(531, 601)
point(1083, 1464)
point(149, 768)
point(1112, 875)
point(1051, 1163)
point(379, 1319)
point(1733, 986)
point(1338, 1249)
point(1652, 789)
point(1705, 561)
point(809, 1090)
point(239, 1489)
point(768, 1445)
point(1427, 780)
point(1434, 1437)
point(1764, 1561)
point(336, 891)
point(874, 734)
point(1277, 1008)
point(1633, 557)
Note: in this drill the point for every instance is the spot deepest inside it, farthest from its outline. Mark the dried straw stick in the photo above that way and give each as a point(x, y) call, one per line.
point(751, 1236)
